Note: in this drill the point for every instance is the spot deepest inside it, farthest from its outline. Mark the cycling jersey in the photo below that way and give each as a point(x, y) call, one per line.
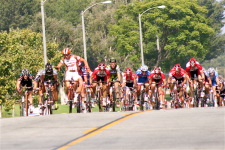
point(158, 78)
point(193, 72)
point(71, 63)
point(26, 82)
point(113, 72)
point(178, 76)
point(129, 79)
point(49, 76)
point(213, 78)
point(142, 78)
point(101, 75)
point(84, 73)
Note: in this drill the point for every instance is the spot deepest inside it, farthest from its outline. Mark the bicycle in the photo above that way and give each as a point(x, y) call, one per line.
point(73, 95)
point(48, 102)
point(155, 98)
point(99, 95)
point(24, 107)
point(88, 98)
point(128, 100)
point(144, 100)
point(175, 102)
point(112, 98)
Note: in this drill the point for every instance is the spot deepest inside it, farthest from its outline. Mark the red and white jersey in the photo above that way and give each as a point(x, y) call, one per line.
point(177, 75)
point(129, 78)
point(157, 77)
point(197, 68)
point(101, 73)
point(71, 63)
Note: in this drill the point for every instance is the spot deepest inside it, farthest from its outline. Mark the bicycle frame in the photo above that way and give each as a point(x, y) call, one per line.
point(24, 102)
point(128, 101)
point(113, 98)
point(156, 96)
point(99, 95)
point(88, 98)
point(49, 100)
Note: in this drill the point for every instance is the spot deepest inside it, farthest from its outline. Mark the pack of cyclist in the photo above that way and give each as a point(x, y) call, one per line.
point(182, 83)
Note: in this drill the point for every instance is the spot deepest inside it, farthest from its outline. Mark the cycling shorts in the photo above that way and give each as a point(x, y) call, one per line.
point(129, 84)
point(69, 75)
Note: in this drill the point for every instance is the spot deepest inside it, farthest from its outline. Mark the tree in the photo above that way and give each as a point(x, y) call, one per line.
point(182, 27)
point(17, 13)
point(216, 17)
point(21, 49)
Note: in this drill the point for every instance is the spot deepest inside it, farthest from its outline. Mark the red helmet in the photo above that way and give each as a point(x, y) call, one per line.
point(101, 66)
point(128, 70)
point(192, 62)
point(66, 51)
point(157, 70)
point(177, 66)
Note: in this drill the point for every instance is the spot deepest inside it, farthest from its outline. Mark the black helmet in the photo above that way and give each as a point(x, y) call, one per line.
point(112, 60)
point(48, 68)
point(25, 72)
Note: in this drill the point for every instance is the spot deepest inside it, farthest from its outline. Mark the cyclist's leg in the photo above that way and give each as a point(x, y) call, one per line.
point(151, 92)
point(116, 86)
point(104, 94)
point(139, 85)
point(161, 95)
point(215, 97)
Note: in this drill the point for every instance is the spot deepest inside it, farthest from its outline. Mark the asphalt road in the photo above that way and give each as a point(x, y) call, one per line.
point(174, 129)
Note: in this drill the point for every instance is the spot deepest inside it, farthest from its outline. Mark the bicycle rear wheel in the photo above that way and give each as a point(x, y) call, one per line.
point(114, 100)
point(88, 102)
point(79, 104)
point(70, 97)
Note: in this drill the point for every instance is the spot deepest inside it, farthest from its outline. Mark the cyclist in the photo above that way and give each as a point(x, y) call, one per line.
point(222, 91)
point(101, 74)
point(157, 77)
point(115, 76)
point(129, 80)
point(49, 74)
point(38, 84)
point(142, 79)
point(195, 73)
point(71, 63)
point(86, 82)
point(179, 75)
point(207, 82)
point(213, 74)
point(26, 80)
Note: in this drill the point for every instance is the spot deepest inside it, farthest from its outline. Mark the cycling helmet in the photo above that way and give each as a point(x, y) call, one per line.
point(25, 72)
point(192, 62)
point(101, 66)
point(177, 66)
point(211, 70)
point(48, 68)
point(144, 68)
point(157, 70)
point(112, 60)
point(128, 70)
point(66, 51)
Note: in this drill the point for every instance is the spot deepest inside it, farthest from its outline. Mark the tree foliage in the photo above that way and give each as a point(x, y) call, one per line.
point(17, 13)
point(21, 49)
point(182, 27)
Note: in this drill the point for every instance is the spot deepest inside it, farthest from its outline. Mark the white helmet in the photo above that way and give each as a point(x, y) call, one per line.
point(211, 70)
point(144, 68)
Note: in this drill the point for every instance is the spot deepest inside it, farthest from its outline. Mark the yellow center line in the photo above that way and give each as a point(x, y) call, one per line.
point(89, 130)
point(98, 130)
